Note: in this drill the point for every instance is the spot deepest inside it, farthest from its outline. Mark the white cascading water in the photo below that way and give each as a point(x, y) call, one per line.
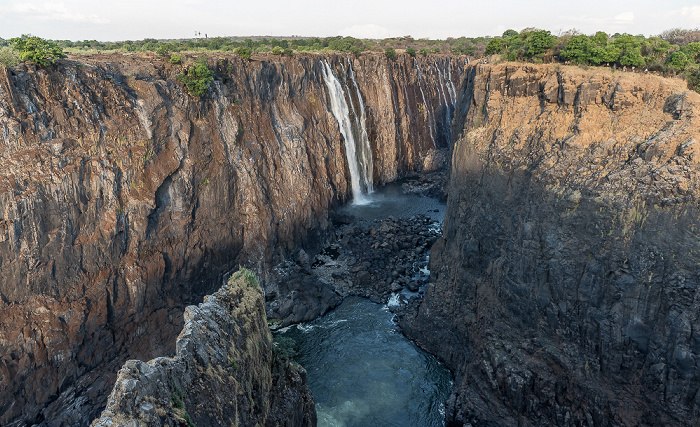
point(451, 87)
point(431, 122)
point(365, 149)
point(360, 164)
point(449, 108)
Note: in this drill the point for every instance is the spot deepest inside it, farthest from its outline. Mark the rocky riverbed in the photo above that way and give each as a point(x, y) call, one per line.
point(371, 258)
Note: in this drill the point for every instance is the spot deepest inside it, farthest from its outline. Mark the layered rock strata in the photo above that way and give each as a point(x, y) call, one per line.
point(124, 198)
point(565, 288)
point(224, 371)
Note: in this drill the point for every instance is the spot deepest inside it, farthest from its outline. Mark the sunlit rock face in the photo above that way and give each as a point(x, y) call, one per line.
point(125, 199)
point(565, 287)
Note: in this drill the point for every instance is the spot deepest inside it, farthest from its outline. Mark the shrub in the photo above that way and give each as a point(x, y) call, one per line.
point(37, 50)
point(244, 52)
point(277, 50)
point(8, 57)
point(197, 78)
point(411, 51)
point(678, 60)
point(288, 51)
point(175, 59)
point(423, 52)
point(390, 53)
point(284, 348)
point(163, 49)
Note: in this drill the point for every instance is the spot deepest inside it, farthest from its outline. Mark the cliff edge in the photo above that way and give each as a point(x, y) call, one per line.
point(565, 288)
point(224, 373)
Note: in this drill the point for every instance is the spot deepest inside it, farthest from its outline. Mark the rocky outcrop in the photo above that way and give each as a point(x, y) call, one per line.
point(565, 288)
point(124, 199)
point(222, 372)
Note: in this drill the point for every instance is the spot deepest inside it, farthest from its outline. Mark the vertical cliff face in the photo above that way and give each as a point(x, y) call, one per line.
point(565, 287)
point(125, 199)
point(224, 372)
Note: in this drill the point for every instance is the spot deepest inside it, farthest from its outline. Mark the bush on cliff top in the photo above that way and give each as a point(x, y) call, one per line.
point(37, 50)
point(197, 78)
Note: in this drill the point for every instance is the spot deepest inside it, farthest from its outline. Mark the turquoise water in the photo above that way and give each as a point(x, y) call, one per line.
point(363, 372)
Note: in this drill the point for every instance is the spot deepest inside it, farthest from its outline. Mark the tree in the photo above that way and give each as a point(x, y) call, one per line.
point(390, 53)
point(633, 57)
point(692, 50)
point(600, 39)
point(277, 50)
point(678, 60)
point(495, 46)
point(539, 42)
point(605, 54)
point(509, 33)
point(244, 52)
point(578, 49)
point(626, 42)
point(197, 78)
point(36, 49)
point(411, 51)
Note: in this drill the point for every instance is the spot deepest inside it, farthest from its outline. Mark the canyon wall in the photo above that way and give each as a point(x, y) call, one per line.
point(225, 371)
point(565, 288)
point(125, 199)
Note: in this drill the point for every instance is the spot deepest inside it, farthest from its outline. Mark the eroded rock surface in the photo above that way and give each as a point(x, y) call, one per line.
point(224, 371)
point(124, 199)
point(565, 288)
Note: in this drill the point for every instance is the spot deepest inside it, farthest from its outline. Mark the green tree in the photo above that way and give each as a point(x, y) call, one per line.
point(163, 49)
point(288, 51)
point(277, 50)
point(578, 49)
point(423, 52)
point(605, 55)
point(539, 42)
point(197, 78)
point(692, 50)
point(411, 51)
point(633, 57)
point(390, 53)
point(495, 46)
point(678, 60)
point(626, 42)
point(600, 39)
point(509, 33)
point(37, 50)
point(244, 52)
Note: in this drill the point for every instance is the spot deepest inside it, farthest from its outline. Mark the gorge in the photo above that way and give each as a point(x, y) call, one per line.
point(563, 289)
point(125, 200)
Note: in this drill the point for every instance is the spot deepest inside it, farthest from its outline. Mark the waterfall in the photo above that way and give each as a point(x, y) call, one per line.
point(431, 122)
point(449, 108)
point(452, 89)
point(365, 147)
point(358, 154)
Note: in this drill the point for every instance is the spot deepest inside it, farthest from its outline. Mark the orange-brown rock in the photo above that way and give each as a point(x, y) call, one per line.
point(124, 198)
point(565, 287)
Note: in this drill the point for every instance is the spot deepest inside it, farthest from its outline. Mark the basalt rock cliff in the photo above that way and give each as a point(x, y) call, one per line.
point(125, 199)
point(225, 371)
point(565, 289)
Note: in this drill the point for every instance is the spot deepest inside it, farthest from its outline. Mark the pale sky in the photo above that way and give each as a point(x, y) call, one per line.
point(110, 20)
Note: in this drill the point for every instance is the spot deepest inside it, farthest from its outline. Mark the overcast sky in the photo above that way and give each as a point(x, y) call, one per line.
point(108, 20)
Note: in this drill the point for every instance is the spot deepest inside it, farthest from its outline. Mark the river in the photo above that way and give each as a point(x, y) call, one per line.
point(361, 370)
